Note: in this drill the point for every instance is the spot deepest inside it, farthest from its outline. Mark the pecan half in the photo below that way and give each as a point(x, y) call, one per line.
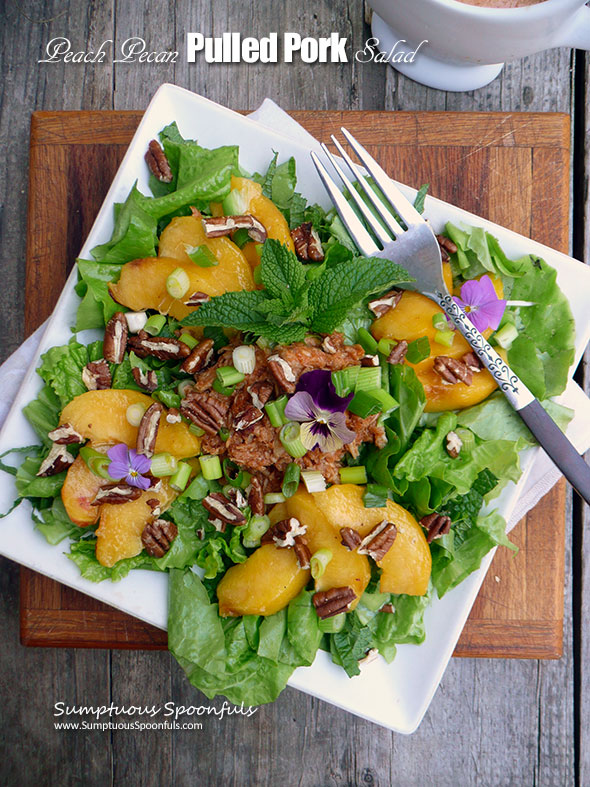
point(452, 371)
point(308, 245)
point(96, 375)
point(349, 538)
point(251, 415)
point(379, 541)
point(260, 393)
point(58, 459)
point(302, 552)
point(472, 362)
point(284, 532)
point(282, 372)
point(447, 247)
point(398, 353)
point(148, 430)
point(162, 348)
point(197, 298)
point(453, 445)
point(199, 357)
point(204, 411)
point(382, 305)
point(158, 536)
point(146, 380)
point(65, 434)
point(332, 602)
point(218, 226)
point(220, 507)
point(158, 163)
point(116, 494)
point(256, 497)
point(437, 525)
point(173, 416)
point(115, 338)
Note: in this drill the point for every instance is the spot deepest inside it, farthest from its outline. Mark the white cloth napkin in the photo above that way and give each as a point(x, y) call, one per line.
point(543, 474)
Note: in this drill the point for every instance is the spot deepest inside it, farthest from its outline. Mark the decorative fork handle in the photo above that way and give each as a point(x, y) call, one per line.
point(542, 426)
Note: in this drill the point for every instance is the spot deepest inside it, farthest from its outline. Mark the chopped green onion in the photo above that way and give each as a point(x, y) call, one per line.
point(445, 337)
point(135, 413)
point(163, 465)
point(222, 389)
point(319, 561)
point(263, 343)
point(178, 283)
point(97, 462)
point(314, 481)
point(229, 376)
point(467, 438)
point(180, 478)
point(374, 601)
point(201, 255)
point(364, 404)
point(332, 625)
point(254, 530)
point(136, 321)
point(366, 341)
point(233, 472)
point(183, 387)
point(439, 321)
point(272, 498)
point(197, 489)
point(291, 479)
point(257, 275)
point(276, 411)
point(244, 358)
point(196, 430)
point(506, 335)
point(246, 478)
point(375, 496)
point(369, 377)
point(418, 350)
point(155, 324)
point(210, 467)
point(241, 237)
point(223, 434)
point(385, 346)
point(236, 203)
point(353, 475)
point(387, 401)
point(188, 339)
point(344, 380)
point(291, 440)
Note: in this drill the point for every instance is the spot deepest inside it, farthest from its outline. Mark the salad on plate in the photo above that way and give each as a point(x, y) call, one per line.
point(308, 449)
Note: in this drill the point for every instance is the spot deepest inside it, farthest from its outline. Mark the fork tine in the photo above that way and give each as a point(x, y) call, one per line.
point(375, 225)
point(383, 211)
point(351, 221)
point(403, 207)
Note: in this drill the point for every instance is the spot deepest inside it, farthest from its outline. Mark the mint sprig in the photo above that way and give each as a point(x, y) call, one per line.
point(290, 305)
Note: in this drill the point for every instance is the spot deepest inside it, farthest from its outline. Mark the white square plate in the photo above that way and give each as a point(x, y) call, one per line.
point(395, 695)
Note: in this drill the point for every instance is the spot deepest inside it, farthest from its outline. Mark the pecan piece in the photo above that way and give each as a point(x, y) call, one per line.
point(260, 393)
point(332, 602)
point(96, 375)
point(282, 372)
point(204, 411)
point(398, 353)
point(284, 532)
point(146, 380)
point(218, 226)
point(437, 525)
point(472, 362)
point(115, 494)
point(154, 504)
point(148, 430)
point(387, 608)
point(379, 541)
point(256, 497)
point(349, 538)
point(453, 445)
point(162, 348)
point(199, 357)
point(197, 298)
point(382, 305)
point(115, 338)
point(308, 245)
point(58, 459)
point(447, 247)
point(236, 496)
point(173, 416)
point(370, 360)
point(158, 536)
point(65, 434)
point(250, 416)
point(329, 345)
point(302, 552)
point(452, 371)
point(220, 507)
point(158, 163)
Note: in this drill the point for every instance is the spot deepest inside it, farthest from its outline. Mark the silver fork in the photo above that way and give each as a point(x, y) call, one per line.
point(415, 247)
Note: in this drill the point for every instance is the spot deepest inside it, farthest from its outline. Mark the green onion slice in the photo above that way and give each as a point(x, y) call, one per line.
point(291, 439)
point(353, 475)
point(201, 255)
point(154, 324)
point(366, 341)
point(319, 561)
point(291, 479)
point(178, 283)
point(254, 530)
point(210, 467)
point(97, 463)
point(163, 465)
point(418, 350)
point(228, 376)
point(180, 478)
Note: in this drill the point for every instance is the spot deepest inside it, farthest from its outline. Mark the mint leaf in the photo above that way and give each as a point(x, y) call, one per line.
point(231, 310)
point(283, 276)
point(351, 644)
point(339, 289)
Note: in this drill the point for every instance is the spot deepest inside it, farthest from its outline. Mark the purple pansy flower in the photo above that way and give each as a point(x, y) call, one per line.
point(126, 464)
point(480, 302)
point(320, 411)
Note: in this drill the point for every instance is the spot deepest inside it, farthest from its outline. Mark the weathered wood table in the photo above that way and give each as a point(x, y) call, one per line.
point(492, 722)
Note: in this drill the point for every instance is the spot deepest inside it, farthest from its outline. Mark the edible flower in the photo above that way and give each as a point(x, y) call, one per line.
point(480, 302)
point(320, 411)
point(127, 464)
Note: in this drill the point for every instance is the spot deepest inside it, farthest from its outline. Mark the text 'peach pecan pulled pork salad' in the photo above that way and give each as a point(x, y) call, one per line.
point(305, 447)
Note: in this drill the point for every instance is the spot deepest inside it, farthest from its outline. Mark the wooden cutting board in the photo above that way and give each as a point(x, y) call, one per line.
point(510, 168)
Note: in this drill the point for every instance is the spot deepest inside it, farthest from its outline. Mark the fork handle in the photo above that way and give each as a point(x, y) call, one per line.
point(543, 427)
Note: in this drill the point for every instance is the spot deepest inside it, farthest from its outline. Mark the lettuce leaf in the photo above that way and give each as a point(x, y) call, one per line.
point(61, 368)
point(97, 307)
point(43, 413)
point(54, 524)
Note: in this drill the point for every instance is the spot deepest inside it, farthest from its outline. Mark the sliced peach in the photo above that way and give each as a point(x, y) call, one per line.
point(119, 533)
point(101, 416)
point(78, 492)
